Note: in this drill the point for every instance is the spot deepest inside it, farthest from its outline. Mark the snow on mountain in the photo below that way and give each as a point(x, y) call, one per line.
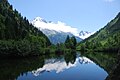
point(57, 32)
point(85, 34)
point(38, 19)
point(59, 26)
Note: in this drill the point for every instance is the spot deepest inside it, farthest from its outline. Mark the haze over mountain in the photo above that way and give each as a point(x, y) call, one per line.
point(57, 32)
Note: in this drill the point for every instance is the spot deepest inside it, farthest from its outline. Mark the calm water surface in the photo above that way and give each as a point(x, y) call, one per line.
point(67, 67)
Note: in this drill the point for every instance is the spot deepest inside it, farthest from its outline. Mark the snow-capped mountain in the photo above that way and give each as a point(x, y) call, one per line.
point(38, 19)
point(59, 26)
point(56, 32)
point(85, 34)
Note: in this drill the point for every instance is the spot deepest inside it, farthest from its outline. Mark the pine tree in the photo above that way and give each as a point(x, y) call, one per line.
point(67, 42)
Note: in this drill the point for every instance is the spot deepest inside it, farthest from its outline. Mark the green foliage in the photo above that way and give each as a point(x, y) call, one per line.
point(19, 48)
point(67, 42)
point(70, 43)
point(106, 39)
point(105, 60)
point(70, 56)
point(74, 42)
point(17, 35)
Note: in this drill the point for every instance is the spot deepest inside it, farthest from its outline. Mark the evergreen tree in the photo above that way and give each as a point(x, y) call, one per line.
point(73, 42)
point(67, 42)
point(73, 39)
point(70, 43)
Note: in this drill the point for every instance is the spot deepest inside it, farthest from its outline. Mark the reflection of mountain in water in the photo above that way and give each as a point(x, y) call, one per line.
point(59, 65)
point(84, 60)
point(67, 64)
point(53, 64)
point(105, 60)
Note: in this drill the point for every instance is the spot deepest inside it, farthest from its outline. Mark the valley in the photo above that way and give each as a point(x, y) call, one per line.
point(40, 49)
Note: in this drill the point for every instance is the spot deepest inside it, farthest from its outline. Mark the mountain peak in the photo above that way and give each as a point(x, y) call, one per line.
point(40, 19)
point(59, 26)
point(84, 34)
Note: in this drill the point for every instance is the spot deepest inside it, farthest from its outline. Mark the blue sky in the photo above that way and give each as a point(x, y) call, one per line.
point(87, 15)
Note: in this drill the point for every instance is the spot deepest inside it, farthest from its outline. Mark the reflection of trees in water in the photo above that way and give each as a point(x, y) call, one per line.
point(12, 68)
point(57, 63)
point(105, 60)
point(115, 73)
point(70, 57)
point(53, 64)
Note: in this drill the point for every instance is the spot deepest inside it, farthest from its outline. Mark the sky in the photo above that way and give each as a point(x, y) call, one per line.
point(86, 15)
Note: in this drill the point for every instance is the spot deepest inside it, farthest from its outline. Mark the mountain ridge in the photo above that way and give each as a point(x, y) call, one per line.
point(57, 32)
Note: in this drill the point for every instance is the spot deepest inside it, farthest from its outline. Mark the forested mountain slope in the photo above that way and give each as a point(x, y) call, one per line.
point(17, 35)
point(106, 39)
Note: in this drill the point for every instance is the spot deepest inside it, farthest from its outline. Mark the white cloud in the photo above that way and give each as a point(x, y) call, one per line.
point(60, 65)
point(109, 0)
point(59, 26)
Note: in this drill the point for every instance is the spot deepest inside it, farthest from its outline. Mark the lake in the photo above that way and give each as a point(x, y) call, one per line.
point(55, 67)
